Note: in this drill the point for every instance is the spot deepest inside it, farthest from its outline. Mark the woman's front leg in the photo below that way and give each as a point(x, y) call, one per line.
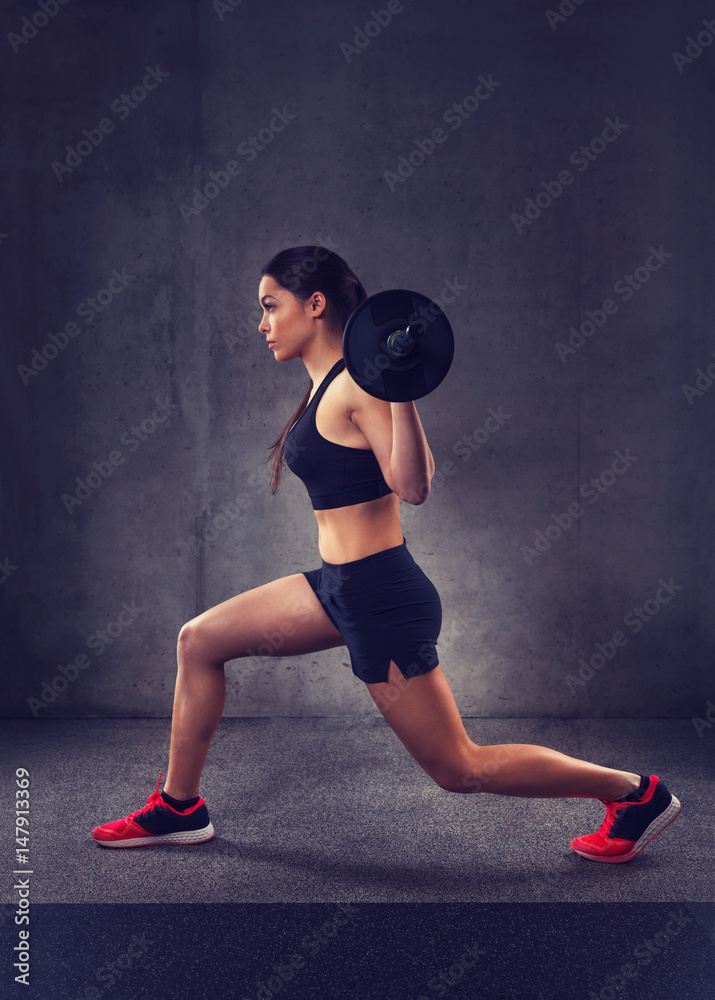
point(281, 618)
point(199, 700)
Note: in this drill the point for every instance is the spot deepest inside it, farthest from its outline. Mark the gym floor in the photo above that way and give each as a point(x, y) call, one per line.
point(334, 809)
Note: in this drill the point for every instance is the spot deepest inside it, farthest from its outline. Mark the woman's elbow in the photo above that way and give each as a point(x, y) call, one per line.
point(416, 495)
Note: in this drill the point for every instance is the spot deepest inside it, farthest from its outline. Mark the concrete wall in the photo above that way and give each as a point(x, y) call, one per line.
point(174, 349)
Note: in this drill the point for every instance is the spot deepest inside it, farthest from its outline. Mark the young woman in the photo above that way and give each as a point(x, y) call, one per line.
point(358, 457)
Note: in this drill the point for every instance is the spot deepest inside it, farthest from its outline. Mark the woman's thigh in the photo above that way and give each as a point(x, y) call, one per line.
point(281, 618)
point(424, 716)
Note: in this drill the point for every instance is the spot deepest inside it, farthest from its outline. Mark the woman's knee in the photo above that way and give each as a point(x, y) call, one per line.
point(194, 640)
point(472, 773)
point(457, 781)
point(453, 775)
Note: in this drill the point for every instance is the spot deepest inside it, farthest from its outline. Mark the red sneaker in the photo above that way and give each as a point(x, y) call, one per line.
point(157, 823)
point(629, 826)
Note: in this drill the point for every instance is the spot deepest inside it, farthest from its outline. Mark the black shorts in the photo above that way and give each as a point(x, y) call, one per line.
point(385, 608)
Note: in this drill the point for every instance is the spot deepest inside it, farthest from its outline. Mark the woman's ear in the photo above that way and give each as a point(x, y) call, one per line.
point(318, 303)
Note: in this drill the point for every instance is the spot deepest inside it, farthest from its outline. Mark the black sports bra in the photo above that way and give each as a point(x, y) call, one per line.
point(335, 475)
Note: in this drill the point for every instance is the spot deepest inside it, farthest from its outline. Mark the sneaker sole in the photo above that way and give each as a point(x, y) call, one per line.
point(650, 833)
point(182, 837)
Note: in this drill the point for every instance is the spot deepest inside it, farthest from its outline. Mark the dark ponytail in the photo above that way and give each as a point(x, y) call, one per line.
point(304, 271)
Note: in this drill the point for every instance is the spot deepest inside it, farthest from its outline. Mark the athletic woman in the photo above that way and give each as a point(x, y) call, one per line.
point(358, 457)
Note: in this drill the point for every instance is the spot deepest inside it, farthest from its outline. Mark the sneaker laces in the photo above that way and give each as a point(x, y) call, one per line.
point(152, 802)
point(612, 808)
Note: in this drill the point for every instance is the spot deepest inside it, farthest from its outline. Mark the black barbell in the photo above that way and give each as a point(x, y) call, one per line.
point(398, 345)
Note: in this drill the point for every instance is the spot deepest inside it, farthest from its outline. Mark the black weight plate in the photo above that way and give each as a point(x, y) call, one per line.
point(366, 354)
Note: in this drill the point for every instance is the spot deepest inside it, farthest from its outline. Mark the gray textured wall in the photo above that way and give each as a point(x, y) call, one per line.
point(185, 521)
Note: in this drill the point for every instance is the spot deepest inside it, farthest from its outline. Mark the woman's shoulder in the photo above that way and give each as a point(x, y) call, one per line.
point(349, 394)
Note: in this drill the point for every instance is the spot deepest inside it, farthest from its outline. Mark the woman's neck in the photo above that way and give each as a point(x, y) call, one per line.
point(319, 358)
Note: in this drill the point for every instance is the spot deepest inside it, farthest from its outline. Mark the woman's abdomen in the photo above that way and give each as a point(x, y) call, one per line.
point(349, 533)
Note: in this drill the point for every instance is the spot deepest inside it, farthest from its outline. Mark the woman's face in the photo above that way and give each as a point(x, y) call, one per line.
point(288, 322)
